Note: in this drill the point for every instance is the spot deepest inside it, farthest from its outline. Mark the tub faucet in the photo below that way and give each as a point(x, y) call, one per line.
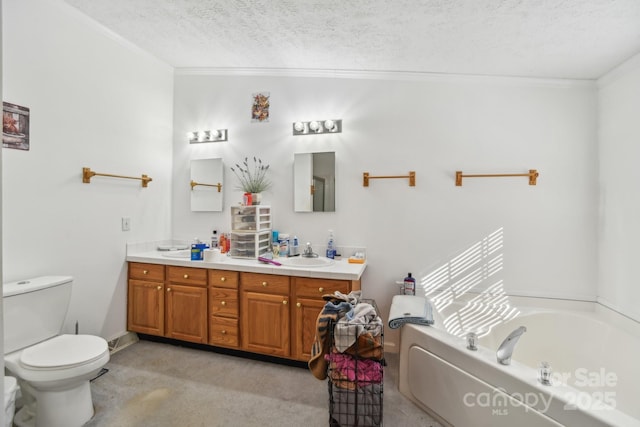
point(508, 345)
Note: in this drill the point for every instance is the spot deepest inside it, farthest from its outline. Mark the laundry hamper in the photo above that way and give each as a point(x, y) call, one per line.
point(355, 373)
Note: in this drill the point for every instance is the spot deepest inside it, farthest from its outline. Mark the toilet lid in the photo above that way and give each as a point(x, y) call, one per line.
point(64, 351)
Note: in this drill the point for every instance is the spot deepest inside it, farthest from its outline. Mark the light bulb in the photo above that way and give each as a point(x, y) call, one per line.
point(314, 126)
point(330, 125)
point(298, 126)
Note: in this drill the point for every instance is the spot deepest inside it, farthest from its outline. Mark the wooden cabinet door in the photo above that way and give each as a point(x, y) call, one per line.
point(145, 308)
point(186, 313)
point(265, 326)
point(305, 316)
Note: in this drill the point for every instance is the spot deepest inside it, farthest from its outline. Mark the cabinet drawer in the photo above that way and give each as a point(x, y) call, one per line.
point(266, 283)
point(223, 332)
point(318, 287)
point(223, 279)
point(187, 275)
point(146, 271)
point(223, 302)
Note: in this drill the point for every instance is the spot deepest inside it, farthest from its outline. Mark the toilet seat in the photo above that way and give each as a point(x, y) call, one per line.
point(63, 352)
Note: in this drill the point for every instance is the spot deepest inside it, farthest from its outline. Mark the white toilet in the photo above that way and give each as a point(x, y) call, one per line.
point(53, 369)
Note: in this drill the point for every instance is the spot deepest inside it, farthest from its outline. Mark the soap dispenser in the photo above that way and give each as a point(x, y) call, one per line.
point(331, 248)
point(294, 248)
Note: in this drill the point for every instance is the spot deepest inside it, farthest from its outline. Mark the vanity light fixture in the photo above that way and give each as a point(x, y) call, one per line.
point(217, 135)
point(317, 127)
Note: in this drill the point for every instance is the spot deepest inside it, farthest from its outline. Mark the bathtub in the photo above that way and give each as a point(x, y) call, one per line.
point(593, 352)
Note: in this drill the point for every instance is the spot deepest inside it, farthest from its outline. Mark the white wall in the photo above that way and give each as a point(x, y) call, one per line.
point(2, 415)
point(619, 151)
point(95, 102)
point(434, 126)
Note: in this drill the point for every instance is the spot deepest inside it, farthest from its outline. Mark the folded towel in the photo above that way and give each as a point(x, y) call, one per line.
point(410, 309)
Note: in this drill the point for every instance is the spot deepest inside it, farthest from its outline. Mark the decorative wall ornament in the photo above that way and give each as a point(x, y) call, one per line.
point(260, 107)
point(15, 126)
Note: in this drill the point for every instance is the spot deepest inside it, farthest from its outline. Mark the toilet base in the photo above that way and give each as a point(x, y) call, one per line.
point(67, 408)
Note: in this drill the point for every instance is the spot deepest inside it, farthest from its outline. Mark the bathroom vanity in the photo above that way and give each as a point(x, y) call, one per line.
point(239, 304)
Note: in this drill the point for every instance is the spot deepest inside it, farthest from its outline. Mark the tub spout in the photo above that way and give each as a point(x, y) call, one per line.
point(508, 345)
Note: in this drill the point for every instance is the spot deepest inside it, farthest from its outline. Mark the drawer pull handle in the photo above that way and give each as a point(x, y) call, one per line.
point(168, 289)
point(186, 276)
point(320, 289)
point(298, 305)
point(159, 287)
point(285, 302)
point(223, 332)
point(264, 284)
point(223, 279)
point(145, 272)
point(223, 303)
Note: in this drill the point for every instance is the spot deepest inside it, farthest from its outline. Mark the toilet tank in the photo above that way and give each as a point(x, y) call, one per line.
point(34, 310)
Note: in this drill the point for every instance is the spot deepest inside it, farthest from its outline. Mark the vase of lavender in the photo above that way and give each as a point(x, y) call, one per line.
point(252, 178)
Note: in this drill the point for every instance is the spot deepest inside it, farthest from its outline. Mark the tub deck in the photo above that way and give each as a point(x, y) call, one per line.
point(596, 380)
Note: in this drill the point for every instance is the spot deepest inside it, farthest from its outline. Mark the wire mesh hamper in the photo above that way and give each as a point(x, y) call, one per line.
point(355, 375)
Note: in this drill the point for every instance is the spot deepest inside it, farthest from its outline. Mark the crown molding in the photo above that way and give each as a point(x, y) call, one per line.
point(630, 65)
point(101, 29)
point(381, 75)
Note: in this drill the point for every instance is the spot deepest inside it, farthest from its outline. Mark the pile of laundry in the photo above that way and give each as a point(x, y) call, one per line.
point(348, 349)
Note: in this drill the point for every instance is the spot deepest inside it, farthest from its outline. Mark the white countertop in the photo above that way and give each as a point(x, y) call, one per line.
point(340, 269)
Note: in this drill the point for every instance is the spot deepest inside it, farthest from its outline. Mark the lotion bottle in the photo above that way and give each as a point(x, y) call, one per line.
point(409, 285)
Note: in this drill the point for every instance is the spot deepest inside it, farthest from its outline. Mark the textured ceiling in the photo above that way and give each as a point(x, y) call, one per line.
point(580, 39)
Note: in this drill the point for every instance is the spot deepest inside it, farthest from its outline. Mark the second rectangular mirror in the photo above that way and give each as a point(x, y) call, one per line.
point(314, 182)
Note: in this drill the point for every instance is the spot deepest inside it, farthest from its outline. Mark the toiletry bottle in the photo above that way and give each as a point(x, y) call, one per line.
point(284, 244)
point(222, 244)
point(294, 247)
point(331, 248)
point(214, 239)
point(227, 242)
point(409, 285)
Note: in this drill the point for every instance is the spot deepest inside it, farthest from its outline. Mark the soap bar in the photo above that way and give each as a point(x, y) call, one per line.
point(353, 260)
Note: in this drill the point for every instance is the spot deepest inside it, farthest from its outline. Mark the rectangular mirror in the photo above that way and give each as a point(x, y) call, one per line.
point(314, 182)
point(206, 185)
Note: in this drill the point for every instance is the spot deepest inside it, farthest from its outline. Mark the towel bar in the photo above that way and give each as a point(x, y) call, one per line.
point(533, 176)
point(87, 174)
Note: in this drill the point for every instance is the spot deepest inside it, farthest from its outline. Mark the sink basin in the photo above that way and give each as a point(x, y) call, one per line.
point(177, 254)
point(306, 262)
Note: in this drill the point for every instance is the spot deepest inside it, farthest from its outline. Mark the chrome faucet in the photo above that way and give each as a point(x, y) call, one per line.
point(508, 345)
point(308, 252)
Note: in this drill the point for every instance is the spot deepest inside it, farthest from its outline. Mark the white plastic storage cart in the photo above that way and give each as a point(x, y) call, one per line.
point(250, 231)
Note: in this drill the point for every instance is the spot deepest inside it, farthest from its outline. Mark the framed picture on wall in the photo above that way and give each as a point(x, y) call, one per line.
point(260, 107)
point(15, 126)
